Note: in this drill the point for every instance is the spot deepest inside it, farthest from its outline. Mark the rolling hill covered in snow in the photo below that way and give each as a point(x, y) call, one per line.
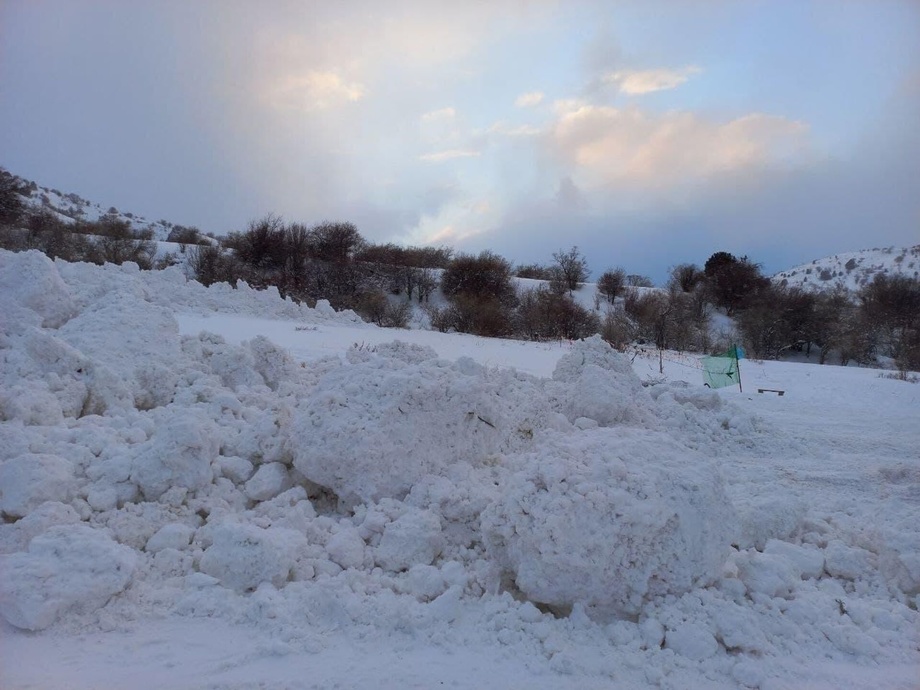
point(71, 208)
point(852, 270)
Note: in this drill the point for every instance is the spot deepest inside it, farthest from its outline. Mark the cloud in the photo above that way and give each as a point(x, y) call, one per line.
point(509, 130)
point(529, 100)
point(438, 115)
point(450, 234)
point(613, 147)
point(315, 90)
point(639, 82)
point(450, 154)
point(441, 129)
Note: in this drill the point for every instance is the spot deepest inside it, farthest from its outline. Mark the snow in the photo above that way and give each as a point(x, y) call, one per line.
point(293, 498)
point(71, 207)
point(28, 481)
point(610, 518)
point(853, 270)
point(68, 568)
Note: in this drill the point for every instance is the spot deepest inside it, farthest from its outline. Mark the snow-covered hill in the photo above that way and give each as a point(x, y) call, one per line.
point(70, 208)
point(852, 270)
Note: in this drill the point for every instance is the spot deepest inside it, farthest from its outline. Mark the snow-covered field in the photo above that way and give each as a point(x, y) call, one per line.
point(215, 488)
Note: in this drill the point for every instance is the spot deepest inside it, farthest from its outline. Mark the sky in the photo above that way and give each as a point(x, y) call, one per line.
point(646, 133)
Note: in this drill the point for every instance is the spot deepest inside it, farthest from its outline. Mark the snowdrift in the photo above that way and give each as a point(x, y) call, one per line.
point(142, 470)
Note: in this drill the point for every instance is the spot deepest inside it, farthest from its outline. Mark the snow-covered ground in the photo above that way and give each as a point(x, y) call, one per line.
point(215, 488)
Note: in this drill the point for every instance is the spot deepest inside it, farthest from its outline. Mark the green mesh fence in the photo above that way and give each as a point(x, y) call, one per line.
point(721, 370)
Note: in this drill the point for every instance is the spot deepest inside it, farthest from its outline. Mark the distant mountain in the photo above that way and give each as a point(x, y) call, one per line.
point(852, 270)
point(70, 208)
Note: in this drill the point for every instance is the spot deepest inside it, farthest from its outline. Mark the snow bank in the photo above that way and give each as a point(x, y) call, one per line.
point(170, 288)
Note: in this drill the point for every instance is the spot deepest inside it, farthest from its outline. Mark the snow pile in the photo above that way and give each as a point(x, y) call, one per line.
point(171, 288)
point(610, 518)
point(375, 428)
point(391, 490)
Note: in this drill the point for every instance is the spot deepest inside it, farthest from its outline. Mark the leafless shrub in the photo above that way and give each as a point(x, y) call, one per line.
point(611, 283)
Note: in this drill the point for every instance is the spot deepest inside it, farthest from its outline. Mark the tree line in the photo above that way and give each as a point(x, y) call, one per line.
point(331, 260)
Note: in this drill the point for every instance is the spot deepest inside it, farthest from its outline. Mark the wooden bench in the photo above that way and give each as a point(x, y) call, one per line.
point(771, 390)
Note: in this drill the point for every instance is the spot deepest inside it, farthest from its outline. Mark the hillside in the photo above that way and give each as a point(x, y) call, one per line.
point(70, 208)
point(852, 270)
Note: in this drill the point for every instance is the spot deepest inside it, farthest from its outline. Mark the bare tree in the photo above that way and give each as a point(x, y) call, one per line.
point(611, 283)
point(426, 283)
point(335, 241)
point(534, 272)
point(262, 245)
point(572, 266)
point(686, 277)
point(638, 280)
point(891, 307)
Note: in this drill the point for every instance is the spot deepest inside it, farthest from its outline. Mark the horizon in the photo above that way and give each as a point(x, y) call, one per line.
point(650, 134)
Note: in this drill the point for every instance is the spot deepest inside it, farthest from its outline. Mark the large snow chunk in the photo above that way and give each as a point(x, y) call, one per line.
point(807, 560)
point(175, 535)
point(82, 386)
point(179, 455)
point(593, 351)
point(244, 556)
point(778, 516)
point(346, 548)
point(374, 428)
point(606, 397)
point(595, 382)
point(767, 573)
point(692, 641)
point(235, 468)
point(847, 562)
point(268, 481)
point(609, 518)
point(413, 538)
point(30, 279)
point(16, 536)
point(273, 363)
point(32, 479)
point(137, 341)
point(69, 568)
